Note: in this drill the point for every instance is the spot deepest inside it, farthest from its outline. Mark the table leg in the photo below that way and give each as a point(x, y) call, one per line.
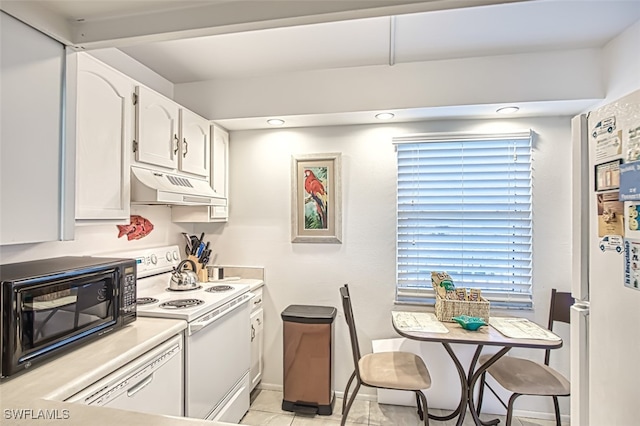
point(460, 410)
point(474, 378)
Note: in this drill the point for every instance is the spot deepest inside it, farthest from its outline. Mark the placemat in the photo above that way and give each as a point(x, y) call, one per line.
point(521, 328)
point(418, 321)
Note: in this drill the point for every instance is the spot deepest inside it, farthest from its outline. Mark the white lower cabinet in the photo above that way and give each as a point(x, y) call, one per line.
point(104, 128)
point(257, 339)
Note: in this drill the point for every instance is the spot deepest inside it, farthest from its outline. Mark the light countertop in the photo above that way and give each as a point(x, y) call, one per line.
point(39, 394)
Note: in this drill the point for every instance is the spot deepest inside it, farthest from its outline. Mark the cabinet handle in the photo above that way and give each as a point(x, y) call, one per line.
point(175, 151)
point(253, 333)
point(186, 147)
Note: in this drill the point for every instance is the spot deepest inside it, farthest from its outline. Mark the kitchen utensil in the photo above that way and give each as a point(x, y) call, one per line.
point(204, 252)
point(204, 259)
point(187, 248)
point(184, 279)
point(195, 243)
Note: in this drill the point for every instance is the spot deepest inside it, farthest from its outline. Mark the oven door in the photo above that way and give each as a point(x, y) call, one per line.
point(47, 315)
point(217, 358)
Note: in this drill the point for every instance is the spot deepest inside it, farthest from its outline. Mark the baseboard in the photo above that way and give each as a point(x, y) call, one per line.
point(541, 415)
point(374, 398)
point(275, 387)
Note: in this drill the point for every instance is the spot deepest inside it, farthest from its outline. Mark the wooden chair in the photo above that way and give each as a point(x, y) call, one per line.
point(525, 377)
point(384, 370)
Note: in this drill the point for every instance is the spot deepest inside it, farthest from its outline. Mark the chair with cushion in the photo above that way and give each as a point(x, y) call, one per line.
point(525, 377)
point(384, 370)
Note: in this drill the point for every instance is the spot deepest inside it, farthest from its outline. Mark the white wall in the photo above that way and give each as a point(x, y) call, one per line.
point(258, 231)
point(97, 239)
point(134, 69)
point(622, 64)
point(532, 77)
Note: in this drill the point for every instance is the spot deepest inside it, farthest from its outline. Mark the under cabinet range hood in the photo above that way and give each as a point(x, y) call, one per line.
point(155, 187)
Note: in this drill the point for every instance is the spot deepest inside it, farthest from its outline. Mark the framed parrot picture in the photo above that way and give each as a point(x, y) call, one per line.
point(316, 204)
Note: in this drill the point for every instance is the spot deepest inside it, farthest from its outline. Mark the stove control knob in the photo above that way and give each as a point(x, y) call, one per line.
point(168, 256)
point(175, 255)
point(154, 259)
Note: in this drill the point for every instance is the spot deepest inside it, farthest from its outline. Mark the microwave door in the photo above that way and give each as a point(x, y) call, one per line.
point(54, 314)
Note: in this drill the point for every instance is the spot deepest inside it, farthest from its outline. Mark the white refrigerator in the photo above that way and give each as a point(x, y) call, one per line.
point(605, 319)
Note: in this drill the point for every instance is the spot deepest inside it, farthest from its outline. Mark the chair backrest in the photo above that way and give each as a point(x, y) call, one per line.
point(348, 316)
point(560, 307)
point(559, 310)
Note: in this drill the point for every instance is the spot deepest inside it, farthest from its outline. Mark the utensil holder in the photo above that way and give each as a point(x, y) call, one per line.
point(195, 260)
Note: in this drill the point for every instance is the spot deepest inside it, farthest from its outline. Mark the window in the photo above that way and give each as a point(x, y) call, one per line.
point(464, 207)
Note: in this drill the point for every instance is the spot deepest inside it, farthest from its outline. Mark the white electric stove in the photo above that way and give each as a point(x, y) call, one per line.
point(217, 341)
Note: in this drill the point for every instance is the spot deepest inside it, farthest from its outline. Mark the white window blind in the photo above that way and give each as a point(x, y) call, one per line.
point(464, 207)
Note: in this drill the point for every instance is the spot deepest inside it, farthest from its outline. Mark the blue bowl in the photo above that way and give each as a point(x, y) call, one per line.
point(469, 323)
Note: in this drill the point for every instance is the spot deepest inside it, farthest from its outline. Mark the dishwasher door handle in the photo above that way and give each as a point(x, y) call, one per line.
point(141, 385)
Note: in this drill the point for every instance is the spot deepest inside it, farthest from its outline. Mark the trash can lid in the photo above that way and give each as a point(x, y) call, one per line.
point(309, 314)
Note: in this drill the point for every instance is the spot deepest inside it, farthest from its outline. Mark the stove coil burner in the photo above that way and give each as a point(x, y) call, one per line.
point(146, 300)
point(185, 290)
point(219, 288)
point(181, 303)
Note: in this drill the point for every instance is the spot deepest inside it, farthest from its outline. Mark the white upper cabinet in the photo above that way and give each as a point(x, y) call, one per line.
point(194, 144)
point(36, 158)
point(219, 182)
point(220, 170)
point(104, 128)
point(157, 134)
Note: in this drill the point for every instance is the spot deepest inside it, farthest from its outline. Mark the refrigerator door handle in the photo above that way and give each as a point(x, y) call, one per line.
point(579, 353)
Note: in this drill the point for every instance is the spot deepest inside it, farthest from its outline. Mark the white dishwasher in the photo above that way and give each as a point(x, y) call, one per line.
point(151, 383)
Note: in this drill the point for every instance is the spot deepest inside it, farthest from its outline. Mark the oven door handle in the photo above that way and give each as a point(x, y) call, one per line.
point(198, 325)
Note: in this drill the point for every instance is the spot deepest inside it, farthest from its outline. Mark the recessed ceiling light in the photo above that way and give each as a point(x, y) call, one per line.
point(507, 110)
point(384, 116)
point(275, 122)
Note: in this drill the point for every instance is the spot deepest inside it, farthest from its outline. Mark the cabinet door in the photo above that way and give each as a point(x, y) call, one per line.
point(33, 177)
point(194, 144)
point(104, 127)
point(220, 170)
point(156, 129)
point(257, 341)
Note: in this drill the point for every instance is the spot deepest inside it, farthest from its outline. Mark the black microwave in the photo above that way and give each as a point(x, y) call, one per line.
point(50, 306)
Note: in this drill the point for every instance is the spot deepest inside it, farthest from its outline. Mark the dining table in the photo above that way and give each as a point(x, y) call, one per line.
point(503, 332)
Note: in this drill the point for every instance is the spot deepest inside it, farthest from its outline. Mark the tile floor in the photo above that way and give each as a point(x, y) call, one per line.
point(266, 410)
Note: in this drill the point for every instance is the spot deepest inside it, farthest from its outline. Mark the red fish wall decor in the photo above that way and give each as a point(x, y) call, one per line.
point(138, 228)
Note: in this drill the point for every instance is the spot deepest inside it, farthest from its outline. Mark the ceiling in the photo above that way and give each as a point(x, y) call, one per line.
point(365, 35)
point(447, 34)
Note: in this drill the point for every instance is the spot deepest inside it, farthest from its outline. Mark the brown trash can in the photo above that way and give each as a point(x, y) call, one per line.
point(308, 359)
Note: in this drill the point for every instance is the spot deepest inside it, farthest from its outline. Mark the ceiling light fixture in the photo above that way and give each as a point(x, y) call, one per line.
point(384, 116)
point(275, 122)
point(507, 110)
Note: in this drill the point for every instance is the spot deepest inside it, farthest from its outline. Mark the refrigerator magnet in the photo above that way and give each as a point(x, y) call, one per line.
point(610, 214)
point(608, 175)
point(632, 219)
point(632, 264)
point(630, 181)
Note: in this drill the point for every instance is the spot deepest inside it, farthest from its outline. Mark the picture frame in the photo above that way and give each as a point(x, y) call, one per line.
point(316, 198)
point(607, 175)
